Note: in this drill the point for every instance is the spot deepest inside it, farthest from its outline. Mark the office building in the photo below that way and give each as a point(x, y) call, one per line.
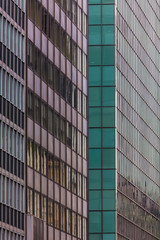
point(12, 107)
point(56, 124)
point(43, 119)
point(124, 119)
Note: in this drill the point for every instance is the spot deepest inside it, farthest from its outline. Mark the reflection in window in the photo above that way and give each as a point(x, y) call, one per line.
point(30, 153)
point(50, 74)
point(74, 96)
point(56, 215)
point(56, 126)
point(62, 174)
point(84, 229)
point(79, 142)
point(79, 101)
point(50, 212)
point(63, 219)
point(44, 68)
point(74, 224)
point(43, 161)
point(68, 221)
point(79, 220)
point(37, 204)
point(38, 15)
point(29, 201)
point(74, 12)
point(37, 109)
point(50, 120)
point(30, 50)
point(68, 8)
point(36, 157)
point(74, 54)
point(69, 91)
point(68, 177)
point(84, 188)
point(74, 181)
point(44, 20)
point(56, 80)
point(30, 104)
point(37, 61)
point(84, 147)
point(57, 35)
point(56, 170)
point(62, 130)
point(50, 167)
point(79, 184)
point(43, 208)
point(69, 134)
point(63, 85)
point(68, 47)
point(74, 137)
point(44, 115)
point(84, 106)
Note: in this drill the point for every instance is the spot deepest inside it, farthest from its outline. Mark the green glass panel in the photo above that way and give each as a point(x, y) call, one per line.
point(108, 179)
point(108, 116)
point(95, 222)
point(108, 138)
point(107, 14)
point(108, 158)
point(108, 74)
point(95, 200)
point(95, 237)
point(94, 76)
point(94, 35)
point(108, 200)
point(95, 117)
point(95, 51)
point(108, 53)
point(108, 35)
point(109, 236)
point(108, 222)
point(94, 96)
point(94, 137)
point(94, 158)
point(94, 179)
point(108, 96)
point(94, 1)
point(94, 14)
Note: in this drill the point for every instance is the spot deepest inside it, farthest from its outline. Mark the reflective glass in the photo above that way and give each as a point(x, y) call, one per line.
point(94, 179)
point(94, 222)
point(94, 158)
point(108, 179)
point(95, 76)
point(95, 137)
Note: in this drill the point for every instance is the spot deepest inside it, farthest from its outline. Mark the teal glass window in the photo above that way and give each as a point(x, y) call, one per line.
point(94, 158)
point(95, 200)
point(94, 35)
point(108, 75)
point(108, 116)
point(94, 179)
point(108, 158)
point(95, 51)
point(108, 137)
point(107, 14)
point(108, 53)
point(109, 222)
point(95, 237)
point(95, 117)
point(94, 76)
point(94, 222)
point(94, 96)
point(108, 96)
point(108, 179)
point(94, 137)
point(109, 237)
point(108, 200)
point(94, 1)
point(108, 35)
point(94, 14)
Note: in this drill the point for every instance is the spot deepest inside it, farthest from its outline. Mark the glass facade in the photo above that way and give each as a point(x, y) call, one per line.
point(56, 153)
point(12, 123)
point(124, 108)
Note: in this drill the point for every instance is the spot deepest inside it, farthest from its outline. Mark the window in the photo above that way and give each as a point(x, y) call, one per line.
point(56, 80)
point(57, 35)
point(79, 142)
point(79, 101)
point(36, 157)
point(84, 147)
point(50, 74)
point(50, 120)
point(56, 170)
point(79, 223)
point(51, 28)
point(79, 184)
point(43, 161)
point(37, 61)
point(74, 54)
point(29, 201)
point(30, 104)
point(44, 71)
point(68, 47)
point(74, 181)
point(84, 106)
point(79, 59)
point(74, 137)
point(44, 115)
point(68, 177)
point(79, 18)
point(30, 153)
point(56, 215)
point(69, 134)
point(56, 125)
point(84, 229)
point(62, 174)
point(62, 130)
point(69, 91)
point(44, 21)
point(50, 167)
point(38, 14)
point(43, 208)
point(84, 188)
point(63, 85)
point(74, 224)
point(37, 109)
point(84, 24)
point(63, 219)
point(74, 96)
point(50, 212)
point(68, 221)
point(37, 204)
point(68, 8)
point(63, 41)
point(30, 51)
point(74, 12)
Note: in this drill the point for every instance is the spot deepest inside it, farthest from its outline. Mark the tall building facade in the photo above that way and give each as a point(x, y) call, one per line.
point(12, 108)
point(56, 123)
point(124, 120)
point(43, 119)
